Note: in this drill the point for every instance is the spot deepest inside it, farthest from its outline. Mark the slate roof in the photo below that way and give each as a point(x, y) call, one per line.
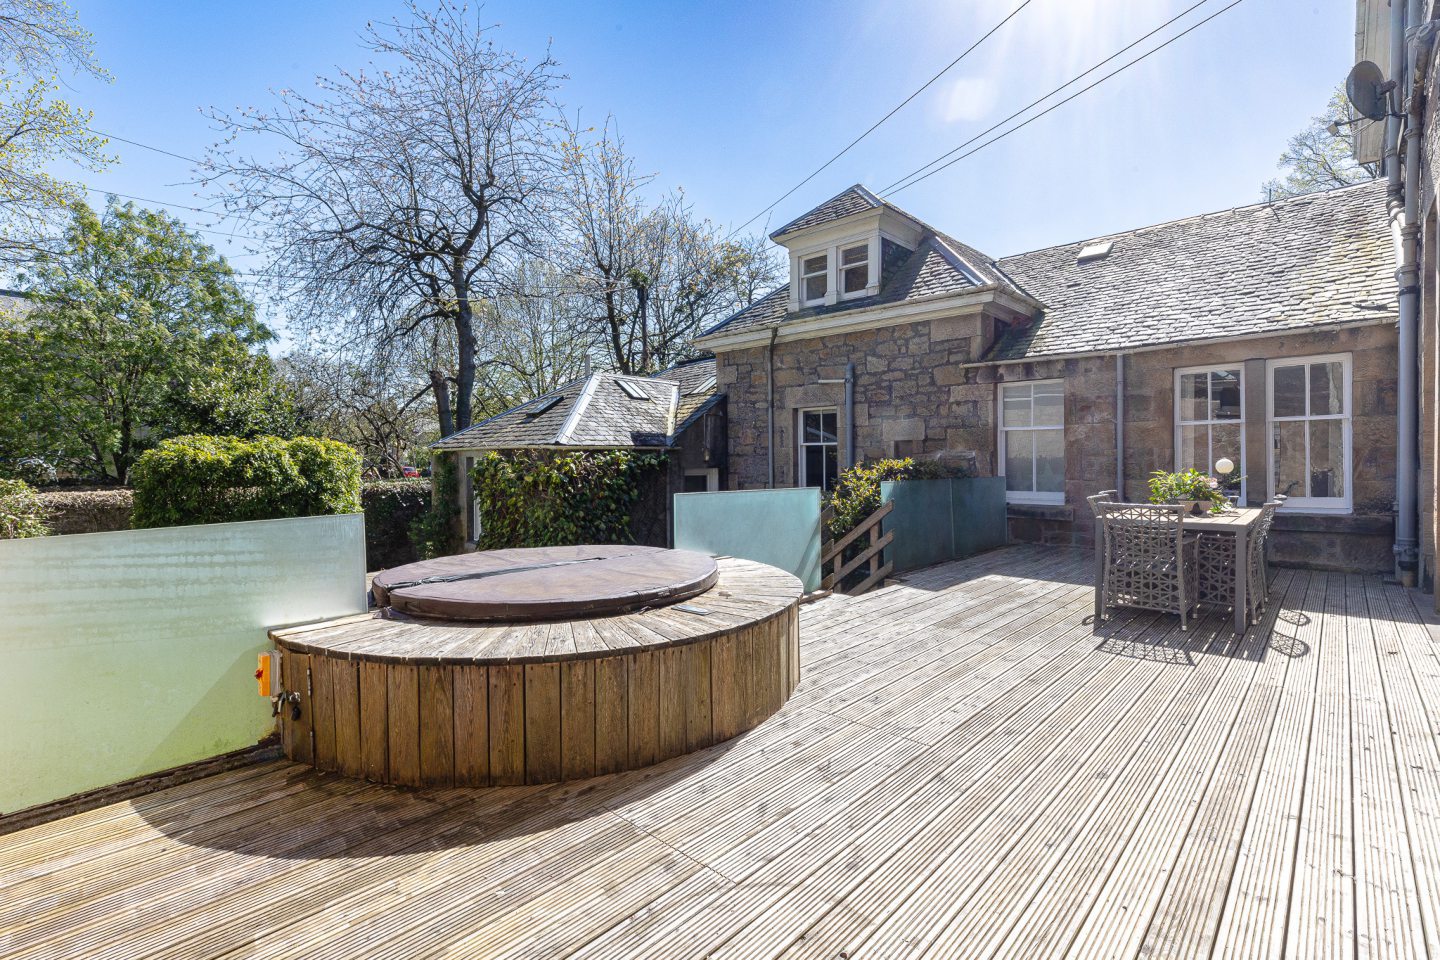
point(1310, 261)
point(596, 411)
point(1317, 260)
point(939, 265)
point(849, 201)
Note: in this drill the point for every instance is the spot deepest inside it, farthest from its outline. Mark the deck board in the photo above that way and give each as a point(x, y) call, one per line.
point(969, 768)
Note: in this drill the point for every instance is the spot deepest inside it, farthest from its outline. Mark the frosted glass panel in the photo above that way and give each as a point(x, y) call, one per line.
point(130, 652)
point(778, 527)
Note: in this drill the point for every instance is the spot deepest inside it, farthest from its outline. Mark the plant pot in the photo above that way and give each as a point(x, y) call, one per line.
point(1193, 506)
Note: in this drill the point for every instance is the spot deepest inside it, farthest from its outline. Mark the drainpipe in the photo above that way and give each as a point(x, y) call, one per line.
point(1403, 203)
point(849, 415)
point(1120, 426)
point(770, 405)
point(849, 381)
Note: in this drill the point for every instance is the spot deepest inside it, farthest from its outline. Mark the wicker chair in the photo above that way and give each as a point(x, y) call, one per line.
point(1103, 496)
point(1257, 591)
point(1149, 561)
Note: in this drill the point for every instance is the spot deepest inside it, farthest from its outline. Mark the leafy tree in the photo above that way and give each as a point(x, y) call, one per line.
point(1318, 159)
point(38, 40)
point(400, 193)
point(135, 325)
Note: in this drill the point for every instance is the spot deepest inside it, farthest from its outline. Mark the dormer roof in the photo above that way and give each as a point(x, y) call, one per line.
point(939, 267)
point(848, 202)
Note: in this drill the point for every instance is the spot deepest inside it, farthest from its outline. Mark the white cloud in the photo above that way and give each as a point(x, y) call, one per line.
point(967, 99)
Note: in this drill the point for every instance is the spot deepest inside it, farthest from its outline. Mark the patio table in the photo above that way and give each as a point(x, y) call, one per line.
point(1237, 522)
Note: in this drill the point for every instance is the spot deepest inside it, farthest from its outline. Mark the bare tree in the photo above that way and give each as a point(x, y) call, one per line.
point(537, 339)
point(649, 277)
point(400, 194)
point(368, 402)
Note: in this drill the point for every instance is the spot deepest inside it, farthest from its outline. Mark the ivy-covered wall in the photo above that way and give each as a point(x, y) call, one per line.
point(538, 498)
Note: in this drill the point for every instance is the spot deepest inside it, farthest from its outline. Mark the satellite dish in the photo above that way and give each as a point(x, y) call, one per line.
point(1366, 87)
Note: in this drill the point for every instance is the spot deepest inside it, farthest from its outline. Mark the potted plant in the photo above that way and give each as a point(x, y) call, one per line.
point(1200, 492)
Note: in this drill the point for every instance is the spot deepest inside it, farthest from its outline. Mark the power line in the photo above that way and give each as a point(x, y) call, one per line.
point(1047, 96)
point(144, 146)
point(896, 109)
point(1061, 103)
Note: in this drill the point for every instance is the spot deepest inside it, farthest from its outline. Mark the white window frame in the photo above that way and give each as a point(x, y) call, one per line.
point(841, 268)
point(1311, 504)
point(711, 475)
point(800, 473)
point(829, 280)
point(1180, 372)
point(1041, 497)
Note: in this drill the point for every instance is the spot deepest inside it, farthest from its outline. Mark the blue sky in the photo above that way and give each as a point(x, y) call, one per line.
point(737, 101)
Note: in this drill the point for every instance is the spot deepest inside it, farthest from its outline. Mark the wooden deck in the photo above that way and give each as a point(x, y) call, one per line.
point(968, 769)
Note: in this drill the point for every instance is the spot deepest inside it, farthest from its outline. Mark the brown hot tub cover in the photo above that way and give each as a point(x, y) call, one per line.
point(544, 583)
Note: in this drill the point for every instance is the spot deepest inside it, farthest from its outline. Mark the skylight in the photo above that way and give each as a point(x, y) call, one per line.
point(632, 389)
point(705, 386)
point(1098, 250)
point(544, 405)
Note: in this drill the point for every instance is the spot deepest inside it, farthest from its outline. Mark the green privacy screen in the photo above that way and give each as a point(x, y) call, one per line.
point(130, 652)
point(938, 520)
point(778, 527)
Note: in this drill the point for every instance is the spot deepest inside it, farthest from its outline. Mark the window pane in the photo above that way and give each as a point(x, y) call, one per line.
point(1016, 401)
point(814, 466)
point(1225, 395)
point(812, 429)
point(1194, 448)
point(1049, 404)
point(1019, 460)
point(1049, 460)
point(828, 426)
point(855, 279)
point(1327, 388)
point(1289, 391)
point(1194, 400)
point(1225, 442)
point(1290, 458)
point(832, 465)
point(1327, 457)
point(855, 254)
point(815, 264)
point(815, 287)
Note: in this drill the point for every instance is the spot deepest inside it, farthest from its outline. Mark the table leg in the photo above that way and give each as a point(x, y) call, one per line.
point(1242, 575)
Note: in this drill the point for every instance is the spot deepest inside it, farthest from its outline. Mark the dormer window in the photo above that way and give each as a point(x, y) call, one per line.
point(854, 269)
point(815, 278)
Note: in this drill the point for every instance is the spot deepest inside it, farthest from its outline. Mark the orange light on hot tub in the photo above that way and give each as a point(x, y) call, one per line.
point(265, 674)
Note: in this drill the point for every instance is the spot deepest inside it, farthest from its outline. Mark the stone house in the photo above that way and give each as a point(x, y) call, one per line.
point(1264, 334)
point(677, 412)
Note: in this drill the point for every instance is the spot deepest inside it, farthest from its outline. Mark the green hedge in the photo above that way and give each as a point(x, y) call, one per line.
point(543, 500)
point(436, 532)
point(200, 479)
point(22, 514)
point(391, 509)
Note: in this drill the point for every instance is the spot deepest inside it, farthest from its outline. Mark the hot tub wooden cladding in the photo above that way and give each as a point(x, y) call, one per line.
point(428, 703)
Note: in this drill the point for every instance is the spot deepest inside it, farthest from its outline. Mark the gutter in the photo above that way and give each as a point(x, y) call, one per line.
point(1173, 344)
point(1409, 52)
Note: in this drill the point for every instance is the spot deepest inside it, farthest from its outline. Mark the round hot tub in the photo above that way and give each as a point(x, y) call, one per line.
point(535, 666)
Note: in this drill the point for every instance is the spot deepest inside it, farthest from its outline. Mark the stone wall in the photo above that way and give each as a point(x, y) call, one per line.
point(913, 396)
